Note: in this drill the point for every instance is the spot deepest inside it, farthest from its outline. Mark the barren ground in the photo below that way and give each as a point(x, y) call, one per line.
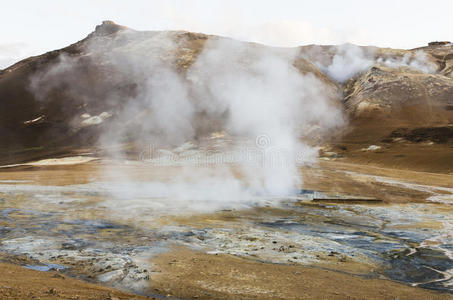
point(189, 271)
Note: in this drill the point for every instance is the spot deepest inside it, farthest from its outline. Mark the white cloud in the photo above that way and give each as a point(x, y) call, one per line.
point(285, 33)
point(13, 52)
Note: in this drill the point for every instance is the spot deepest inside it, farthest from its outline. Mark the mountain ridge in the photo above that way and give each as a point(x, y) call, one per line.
point(32, 128)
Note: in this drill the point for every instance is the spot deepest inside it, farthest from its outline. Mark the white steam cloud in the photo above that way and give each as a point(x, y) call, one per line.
point(253, 93)
point(349, 60)
point(418, 60)
point(263, 93)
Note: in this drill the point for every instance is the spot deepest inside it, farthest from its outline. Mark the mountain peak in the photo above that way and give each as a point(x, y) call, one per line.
point(108, 27)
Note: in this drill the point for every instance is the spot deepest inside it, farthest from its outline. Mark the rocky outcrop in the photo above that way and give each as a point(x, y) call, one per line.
point(400, 96)
point(107, 28)
point(442, 52)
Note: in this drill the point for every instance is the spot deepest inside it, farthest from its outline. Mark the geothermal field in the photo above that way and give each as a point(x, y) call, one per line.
point(179, 165)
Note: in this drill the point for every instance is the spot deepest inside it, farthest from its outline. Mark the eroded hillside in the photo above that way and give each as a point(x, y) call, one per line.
point(91, 93)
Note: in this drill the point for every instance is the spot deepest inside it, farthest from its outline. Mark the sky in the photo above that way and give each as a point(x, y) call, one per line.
point(35, 27)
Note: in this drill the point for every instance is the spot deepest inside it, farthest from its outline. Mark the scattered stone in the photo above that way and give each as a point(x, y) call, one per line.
point(52, 291)
point(372, 148)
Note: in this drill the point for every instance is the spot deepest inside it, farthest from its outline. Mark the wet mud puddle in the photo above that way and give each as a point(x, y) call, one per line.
point(75, 230)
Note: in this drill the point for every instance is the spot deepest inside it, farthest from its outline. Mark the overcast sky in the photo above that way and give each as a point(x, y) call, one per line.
point(34, 27)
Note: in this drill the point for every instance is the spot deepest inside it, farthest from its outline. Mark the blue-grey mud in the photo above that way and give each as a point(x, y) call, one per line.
point(87, 226)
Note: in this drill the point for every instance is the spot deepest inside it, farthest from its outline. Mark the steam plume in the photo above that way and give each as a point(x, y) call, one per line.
point(247, 90)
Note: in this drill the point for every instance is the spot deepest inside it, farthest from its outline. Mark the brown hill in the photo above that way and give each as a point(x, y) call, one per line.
point(63, 101)
point(397, 101)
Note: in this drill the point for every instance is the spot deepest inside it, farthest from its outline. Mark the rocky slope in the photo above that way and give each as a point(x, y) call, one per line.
point(407, 113)
point(394, 85)
point(62, 101)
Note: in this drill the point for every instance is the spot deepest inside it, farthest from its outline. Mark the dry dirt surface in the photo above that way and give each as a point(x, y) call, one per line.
point(190, 274)
point(20, 283)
